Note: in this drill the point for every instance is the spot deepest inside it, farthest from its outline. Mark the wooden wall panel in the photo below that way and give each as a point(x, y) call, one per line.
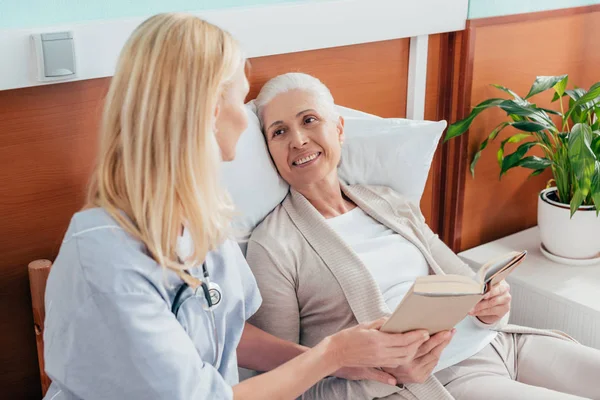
point(437, 70)
point(48, 138)
point(370, 77)
point(47, 148)
point(430, 201)
point(453, 151)
point(512, 52)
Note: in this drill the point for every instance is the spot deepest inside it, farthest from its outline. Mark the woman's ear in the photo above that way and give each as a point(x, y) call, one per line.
point(217, 122)
point(340, 129)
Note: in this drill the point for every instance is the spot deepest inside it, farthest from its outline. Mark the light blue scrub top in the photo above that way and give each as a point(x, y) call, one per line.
point(109, 330)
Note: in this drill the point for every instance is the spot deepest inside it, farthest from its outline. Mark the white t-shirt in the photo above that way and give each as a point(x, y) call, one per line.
point(381, 250)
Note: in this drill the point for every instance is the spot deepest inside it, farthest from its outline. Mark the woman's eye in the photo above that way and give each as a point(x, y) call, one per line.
point(309, 120)
point(277, 132)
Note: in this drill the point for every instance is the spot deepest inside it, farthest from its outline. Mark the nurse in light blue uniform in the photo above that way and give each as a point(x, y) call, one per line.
point(148, 298)
point(110, 329)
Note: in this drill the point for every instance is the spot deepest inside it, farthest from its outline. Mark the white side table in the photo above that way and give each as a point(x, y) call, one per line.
point(547, 294)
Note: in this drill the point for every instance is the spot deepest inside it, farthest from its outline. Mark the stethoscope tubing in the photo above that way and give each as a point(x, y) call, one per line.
point(205, 286)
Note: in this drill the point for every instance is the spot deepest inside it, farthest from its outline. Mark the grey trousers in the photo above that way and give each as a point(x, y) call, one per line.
point(526, 367)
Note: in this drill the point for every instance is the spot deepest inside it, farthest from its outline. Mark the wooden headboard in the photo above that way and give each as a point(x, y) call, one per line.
point(48, 138)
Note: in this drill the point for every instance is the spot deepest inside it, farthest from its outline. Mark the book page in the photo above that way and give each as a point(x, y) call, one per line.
point(446, 285)
point(497, 269)
point(493, 267)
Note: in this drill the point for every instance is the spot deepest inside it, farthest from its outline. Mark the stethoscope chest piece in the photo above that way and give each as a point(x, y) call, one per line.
point(215, 294)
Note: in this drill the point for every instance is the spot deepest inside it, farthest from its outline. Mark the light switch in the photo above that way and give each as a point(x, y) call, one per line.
point(55, 53)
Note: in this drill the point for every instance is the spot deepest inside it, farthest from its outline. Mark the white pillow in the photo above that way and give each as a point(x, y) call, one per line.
point(393, 152)
point(252, 179)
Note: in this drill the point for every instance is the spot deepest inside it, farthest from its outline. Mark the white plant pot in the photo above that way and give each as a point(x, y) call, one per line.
point(574, 238)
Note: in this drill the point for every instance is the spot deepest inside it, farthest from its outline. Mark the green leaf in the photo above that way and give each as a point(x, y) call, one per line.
point(594, 87)
point(596, 146)
point(537, 172)
point(513, 159)
point(580, 151)
point(578, 115)
point(475, 159)
point(561, 172)
point(583, 162)
point(523, 111)
point(544, 83)
point(513, 107)
point(564, 138)
point(500, 157)
point(516, 138)
point(590, 96)
point(534, 162)
point(460, 127)
point(549, 111)
point(576, 201)
point(576, 93)
point(595, 187)
point(556, 97)
point(518, 98)
point(543, 139)
point(561, 85)
point(530, 126)
point(484, 144)
point(513, 139)
point(595, 119)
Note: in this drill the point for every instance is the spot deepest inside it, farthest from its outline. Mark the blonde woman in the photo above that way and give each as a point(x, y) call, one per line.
point(148, 298)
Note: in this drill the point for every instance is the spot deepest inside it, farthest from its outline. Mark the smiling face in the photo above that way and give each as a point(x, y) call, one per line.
point(303, 138)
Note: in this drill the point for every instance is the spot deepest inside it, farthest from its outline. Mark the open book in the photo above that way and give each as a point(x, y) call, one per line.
point(439, 302)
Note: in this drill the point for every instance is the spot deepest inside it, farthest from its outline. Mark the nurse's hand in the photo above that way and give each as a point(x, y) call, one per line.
point(365, 346)
point(428, 356)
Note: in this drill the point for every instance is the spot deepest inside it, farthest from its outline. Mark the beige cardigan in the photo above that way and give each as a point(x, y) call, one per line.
point(313, 284)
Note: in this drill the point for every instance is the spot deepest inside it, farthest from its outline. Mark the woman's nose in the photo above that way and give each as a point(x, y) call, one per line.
point(299, 139)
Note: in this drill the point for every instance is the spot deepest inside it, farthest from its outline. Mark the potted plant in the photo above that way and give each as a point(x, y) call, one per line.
point(569, 143)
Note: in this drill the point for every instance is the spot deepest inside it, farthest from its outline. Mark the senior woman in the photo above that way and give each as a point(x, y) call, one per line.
point(331, 256)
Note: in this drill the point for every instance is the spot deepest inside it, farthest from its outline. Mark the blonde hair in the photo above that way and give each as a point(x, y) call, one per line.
point(158, 158)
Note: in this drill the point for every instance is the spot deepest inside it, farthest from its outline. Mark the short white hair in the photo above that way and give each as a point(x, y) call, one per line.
point(296, 81)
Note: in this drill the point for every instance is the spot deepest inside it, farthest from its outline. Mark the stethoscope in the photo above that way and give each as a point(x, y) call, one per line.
point(212, 296)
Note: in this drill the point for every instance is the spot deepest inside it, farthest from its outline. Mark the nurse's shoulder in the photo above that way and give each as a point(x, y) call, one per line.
point(98, 256)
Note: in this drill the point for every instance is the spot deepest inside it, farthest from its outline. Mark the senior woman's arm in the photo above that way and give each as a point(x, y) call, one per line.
point(279, 315)
point(451, 263)
point(441, 253)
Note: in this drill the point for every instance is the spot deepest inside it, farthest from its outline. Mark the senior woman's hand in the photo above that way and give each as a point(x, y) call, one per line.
point(494, 305)
point(364, 373)
point(364, 346)
point(425, 360)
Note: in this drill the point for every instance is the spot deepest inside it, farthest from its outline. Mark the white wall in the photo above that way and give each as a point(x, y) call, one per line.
point(265, 30)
